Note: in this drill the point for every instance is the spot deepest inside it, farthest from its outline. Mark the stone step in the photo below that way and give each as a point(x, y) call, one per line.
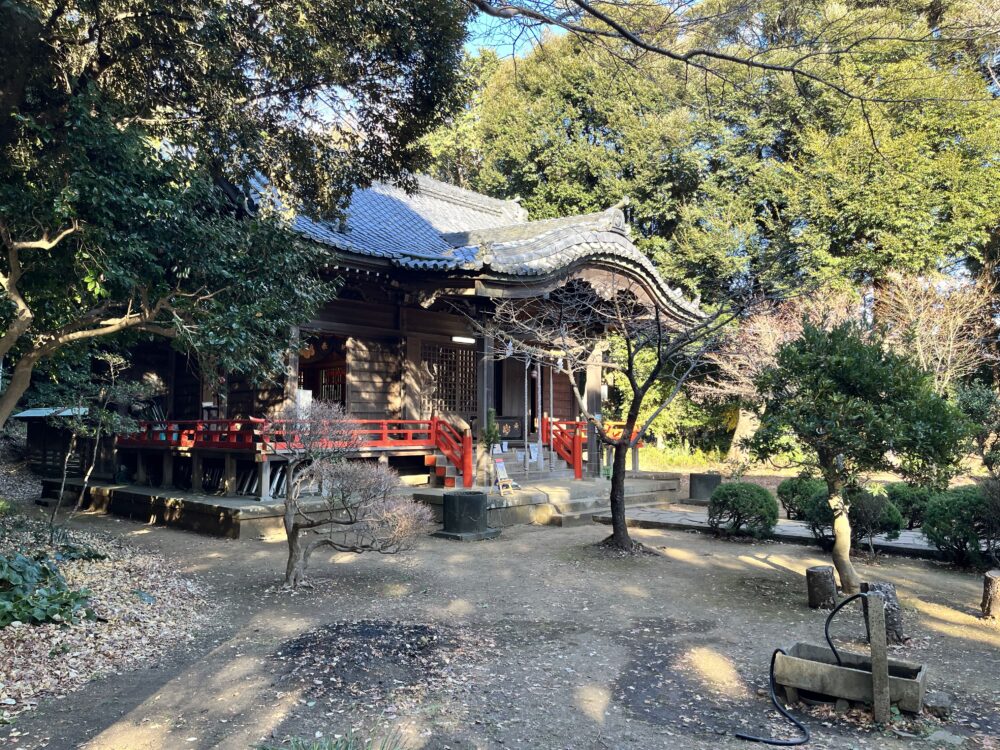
point(585, 517)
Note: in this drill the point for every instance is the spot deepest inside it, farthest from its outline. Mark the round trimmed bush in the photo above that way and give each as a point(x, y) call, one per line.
point(959, 522)
point(795, 494)
point(871, 515)
point(742, 507)
point(911, 501)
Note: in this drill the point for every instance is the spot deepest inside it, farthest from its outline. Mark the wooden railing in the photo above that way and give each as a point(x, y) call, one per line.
point(261, 436)
point(614, 431)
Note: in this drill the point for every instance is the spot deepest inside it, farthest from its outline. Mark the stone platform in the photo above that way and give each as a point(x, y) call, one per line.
point(559, 502)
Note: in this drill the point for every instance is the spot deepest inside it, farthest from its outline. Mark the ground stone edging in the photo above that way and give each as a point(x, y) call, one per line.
point(909, 543)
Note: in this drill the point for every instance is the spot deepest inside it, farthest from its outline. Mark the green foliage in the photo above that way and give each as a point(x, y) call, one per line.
point(6, 508)
point(911, 500)
point(347, 742)
point(151, 155)
point(839, 393)
point(723, 172)
point(964, 523)
point(491, 432)
point(981, 404)
point(742, 507)
point(871, 514)
point(795, 493)
point(33, 591)
point(679, 455)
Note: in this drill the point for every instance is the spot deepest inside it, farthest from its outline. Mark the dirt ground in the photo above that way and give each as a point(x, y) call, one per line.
point(536, 640)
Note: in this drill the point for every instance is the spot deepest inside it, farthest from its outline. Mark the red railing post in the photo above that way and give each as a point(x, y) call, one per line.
point(467, 473)
point(578, 453)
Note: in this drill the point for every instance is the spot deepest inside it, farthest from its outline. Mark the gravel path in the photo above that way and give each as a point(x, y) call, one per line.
point(536, 640)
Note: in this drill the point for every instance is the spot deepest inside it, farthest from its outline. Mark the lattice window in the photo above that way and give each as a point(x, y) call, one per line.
point(333, 384)
point(454, 371)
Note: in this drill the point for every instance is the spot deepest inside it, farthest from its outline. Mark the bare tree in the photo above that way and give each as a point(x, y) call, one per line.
point(732, 42)
point(749, 348)
point(944, 324)
point(348, 505)
point(576, 327)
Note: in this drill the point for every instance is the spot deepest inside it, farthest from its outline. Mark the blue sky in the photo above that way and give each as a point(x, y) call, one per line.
point(505, 37)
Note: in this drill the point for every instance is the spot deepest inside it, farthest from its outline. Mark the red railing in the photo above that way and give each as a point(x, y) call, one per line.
point(614, 431)
point(261, 436)
point(566, 437)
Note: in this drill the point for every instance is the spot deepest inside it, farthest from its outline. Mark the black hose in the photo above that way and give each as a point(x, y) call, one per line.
point(781, 709)
point(829, 617)
point(774, 698)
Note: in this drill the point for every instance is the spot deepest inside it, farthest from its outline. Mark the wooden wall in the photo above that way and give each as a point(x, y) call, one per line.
point(374, 378)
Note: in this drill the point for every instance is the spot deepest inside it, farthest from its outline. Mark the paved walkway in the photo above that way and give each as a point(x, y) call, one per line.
point(686, 518)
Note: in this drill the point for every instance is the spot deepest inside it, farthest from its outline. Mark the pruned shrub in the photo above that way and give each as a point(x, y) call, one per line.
point(796, 492)
point(33, 592)
point(911, 500)
point(742, 507)
point(964, 523)
point(870, 515)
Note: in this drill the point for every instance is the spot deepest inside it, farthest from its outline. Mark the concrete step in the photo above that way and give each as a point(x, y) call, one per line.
point(585, 517)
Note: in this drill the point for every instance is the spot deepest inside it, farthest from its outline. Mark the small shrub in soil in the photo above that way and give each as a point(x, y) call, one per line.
point(34, 592)
point(870, 515)
point(347, 742)
point(742, 507)
point(964, 524)
point(796, 492)
point(911, 500)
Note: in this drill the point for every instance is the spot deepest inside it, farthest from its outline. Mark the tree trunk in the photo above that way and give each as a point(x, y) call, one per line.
point(841, 553)
point(893, 612)
point(19, 381)
point(746, 426)
point(619, 529)
point(991, 594)
point(62, 489)
point(295, 567)
point(87, 475)
point(822, 587)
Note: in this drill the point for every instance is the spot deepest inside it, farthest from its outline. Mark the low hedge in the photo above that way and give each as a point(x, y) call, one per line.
point(795, 494)
point(911, 501)
point(964, 524)
point(742, 508)
point(870, 514)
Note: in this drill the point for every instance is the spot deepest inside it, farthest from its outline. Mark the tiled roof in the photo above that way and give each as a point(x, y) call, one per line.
point(447, 229)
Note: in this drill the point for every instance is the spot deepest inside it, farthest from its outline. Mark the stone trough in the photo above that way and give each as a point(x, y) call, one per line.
point(813, 669)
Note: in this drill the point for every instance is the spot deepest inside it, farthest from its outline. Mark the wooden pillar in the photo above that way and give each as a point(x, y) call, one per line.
point(526, 429)
point(485, 398)
point(168, 470)
point(540, 414)
point(140, 468)
point(229, 475)
point(264, 480)
point(592, 393)
point(292, 369)
point(197, 472)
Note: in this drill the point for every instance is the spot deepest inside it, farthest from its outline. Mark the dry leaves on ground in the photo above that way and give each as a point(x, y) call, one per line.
point(143, 609)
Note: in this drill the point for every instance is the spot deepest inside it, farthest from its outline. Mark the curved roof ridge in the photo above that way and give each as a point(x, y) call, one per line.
point(434, 188)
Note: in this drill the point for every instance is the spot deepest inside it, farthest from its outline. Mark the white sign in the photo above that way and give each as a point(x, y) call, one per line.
point(501, 468)
point(533, 452)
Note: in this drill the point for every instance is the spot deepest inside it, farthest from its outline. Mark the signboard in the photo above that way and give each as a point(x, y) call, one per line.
point(533, 452)
point(504, 483)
